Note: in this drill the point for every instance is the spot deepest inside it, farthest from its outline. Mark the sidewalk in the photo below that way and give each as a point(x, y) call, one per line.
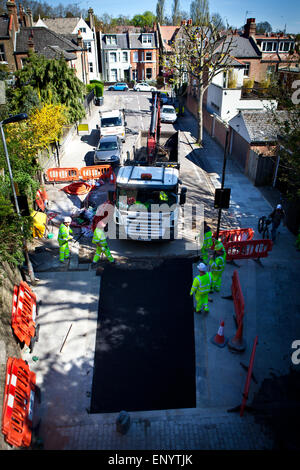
point(71, 297)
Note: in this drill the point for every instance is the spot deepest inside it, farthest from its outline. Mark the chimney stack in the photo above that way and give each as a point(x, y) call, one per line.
point(13, 11)
point(250, 28)
point(91, 18)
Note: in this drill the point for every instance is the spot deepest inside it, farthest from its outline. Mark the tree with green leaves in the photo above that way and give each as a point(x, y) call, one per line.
point(201, 53)
point(52, 81)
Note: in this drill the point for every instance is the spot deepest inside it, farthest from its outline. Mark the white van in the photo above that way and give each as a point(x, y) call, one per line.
point(113, 123)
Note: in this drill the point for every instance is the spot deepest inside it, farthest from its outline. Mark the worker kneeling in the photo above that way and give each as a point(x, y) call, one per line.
point(217, 266)
point(99, 239)
point(201, 287)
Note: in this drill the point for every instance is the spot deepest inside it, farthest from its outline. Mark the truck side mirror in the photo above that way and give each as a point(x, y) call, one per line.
point(182, 198)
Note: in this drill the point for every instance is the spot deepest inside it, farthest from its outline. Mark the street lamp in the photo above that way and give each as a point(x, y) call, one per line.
point(16, 118)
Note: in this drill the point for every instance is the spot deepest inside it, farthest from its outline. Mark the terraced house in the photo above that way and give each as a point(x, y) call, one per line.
point(129, 56)
point(19, 35)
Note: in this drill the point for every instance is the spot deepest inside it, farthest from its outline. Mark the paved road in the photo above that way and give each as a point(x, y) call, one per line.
point(271, 298)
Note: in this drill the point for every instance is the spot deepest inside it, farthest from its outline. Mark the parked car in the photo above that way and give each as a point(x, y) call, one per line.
point(164, 97)
point(144, 86)
point(120, 86)
point(168, 113)
point(109, 150)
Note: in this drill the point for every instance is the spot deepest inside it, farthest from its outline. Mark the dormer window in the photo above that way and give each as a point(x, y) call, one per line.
point(111, 39)
point(147, 38)
point(285, 46)
point(269, 46)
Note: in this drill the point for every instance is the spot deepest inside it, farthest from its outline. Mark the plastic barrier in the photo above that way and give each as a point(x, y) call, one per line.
point(96, 171)
point(18, 401)
point(62, 174)
point(23, 318)
point(254, 249)
point(237, 235)
point(248, 379)
point(237, 344)
point(41, 198)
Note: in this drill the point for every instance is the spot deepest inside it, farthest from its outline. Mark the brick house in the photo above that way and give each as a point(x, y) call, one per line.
point(144, 56)
point(129, 56)
point(18, 36)
point(69, 28)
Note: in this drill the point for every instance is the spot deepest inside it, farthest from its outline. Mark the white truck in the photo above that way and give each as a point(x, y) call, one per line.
point(147, 202)
point(112, 123)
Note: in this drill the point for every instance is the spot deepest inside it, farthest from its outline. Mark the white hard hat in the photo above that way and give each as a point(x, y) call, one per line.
point(278, 206)
point(67, 219)
point(202, 267)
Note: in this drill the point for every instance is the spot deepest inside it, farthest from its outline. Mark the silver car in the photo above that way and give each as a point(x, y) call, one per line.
point(109, 150)
point(168, 114)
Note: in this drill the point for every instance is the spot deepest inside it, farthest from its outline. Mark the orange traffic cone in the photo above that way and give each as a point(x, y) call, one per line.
point(219, 339)
point(236, 344)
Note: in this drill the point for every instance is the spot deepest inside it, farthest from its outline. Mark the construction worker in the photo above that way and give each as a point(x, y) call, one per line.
point(218, 246)
point(201, 287)
point(217, 266)
point(63, 239)
point(99, 239)
point(207, 242)
point(163, 196)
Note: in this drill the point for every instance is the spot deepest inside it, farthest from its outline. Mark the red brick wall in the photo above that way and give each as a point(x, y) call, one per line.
point(220, 131)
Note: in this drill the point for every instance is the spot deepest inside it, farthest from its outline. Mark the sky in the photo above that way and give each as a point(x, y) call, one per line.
point(278, 13)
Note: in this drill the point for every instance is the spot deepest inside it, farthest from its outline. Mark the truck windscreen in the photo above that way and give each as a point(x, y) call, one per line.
point(111, 122)
point(138, 196)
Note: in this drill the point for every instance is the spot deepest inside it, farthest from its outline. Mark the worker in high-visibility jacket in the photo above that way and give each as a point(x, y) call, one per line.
point(99, 239)
point(207, 243)
point(218, 246)
point(217, 265)
point(64, 236)
point(201, 288)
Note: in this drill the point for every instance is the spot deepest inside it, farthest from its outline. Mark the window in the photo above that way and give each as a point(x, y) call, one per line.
point(269, 46)
point(270, 69)
point(148, 56)
point(148, 73)
point(113, 57)
point(83, 30)
point(285, 46)
point(91, 69)
point(134, 75)
point(147, 38)
point(2, 53)
point(246, 69)
point(124, 56)
point(111, 39)
point(135, 56)
point(88, 46)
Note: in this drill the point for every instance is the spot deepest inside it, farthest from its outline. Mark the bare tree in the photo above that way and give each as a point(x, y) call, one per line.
point(175, 13)
point(160, 11)
point(199, 11)
point(200, 53)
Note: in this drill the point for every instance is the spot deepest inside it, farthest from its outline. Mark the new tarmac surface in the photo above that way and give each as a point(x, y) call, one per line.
point(63, 358)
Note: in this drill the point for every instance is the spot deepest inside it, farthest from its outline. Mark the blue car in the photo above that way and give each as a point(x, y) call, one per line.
point(118, 87)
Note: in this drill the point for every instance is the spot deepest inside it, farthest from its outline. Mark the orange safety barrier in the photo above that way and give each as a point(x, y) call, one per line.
point(236, 343)
point(97, 171)
point(254, 249)
point(41, 198)
point(248, 379)
point(24, 309)
point(237, 235)
point(18, 401)
point(62, 174)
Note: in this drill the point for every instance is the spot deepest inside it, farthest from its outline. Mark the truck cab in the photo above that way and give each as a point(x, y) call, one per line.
point(147, 202)
point(113, 123)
